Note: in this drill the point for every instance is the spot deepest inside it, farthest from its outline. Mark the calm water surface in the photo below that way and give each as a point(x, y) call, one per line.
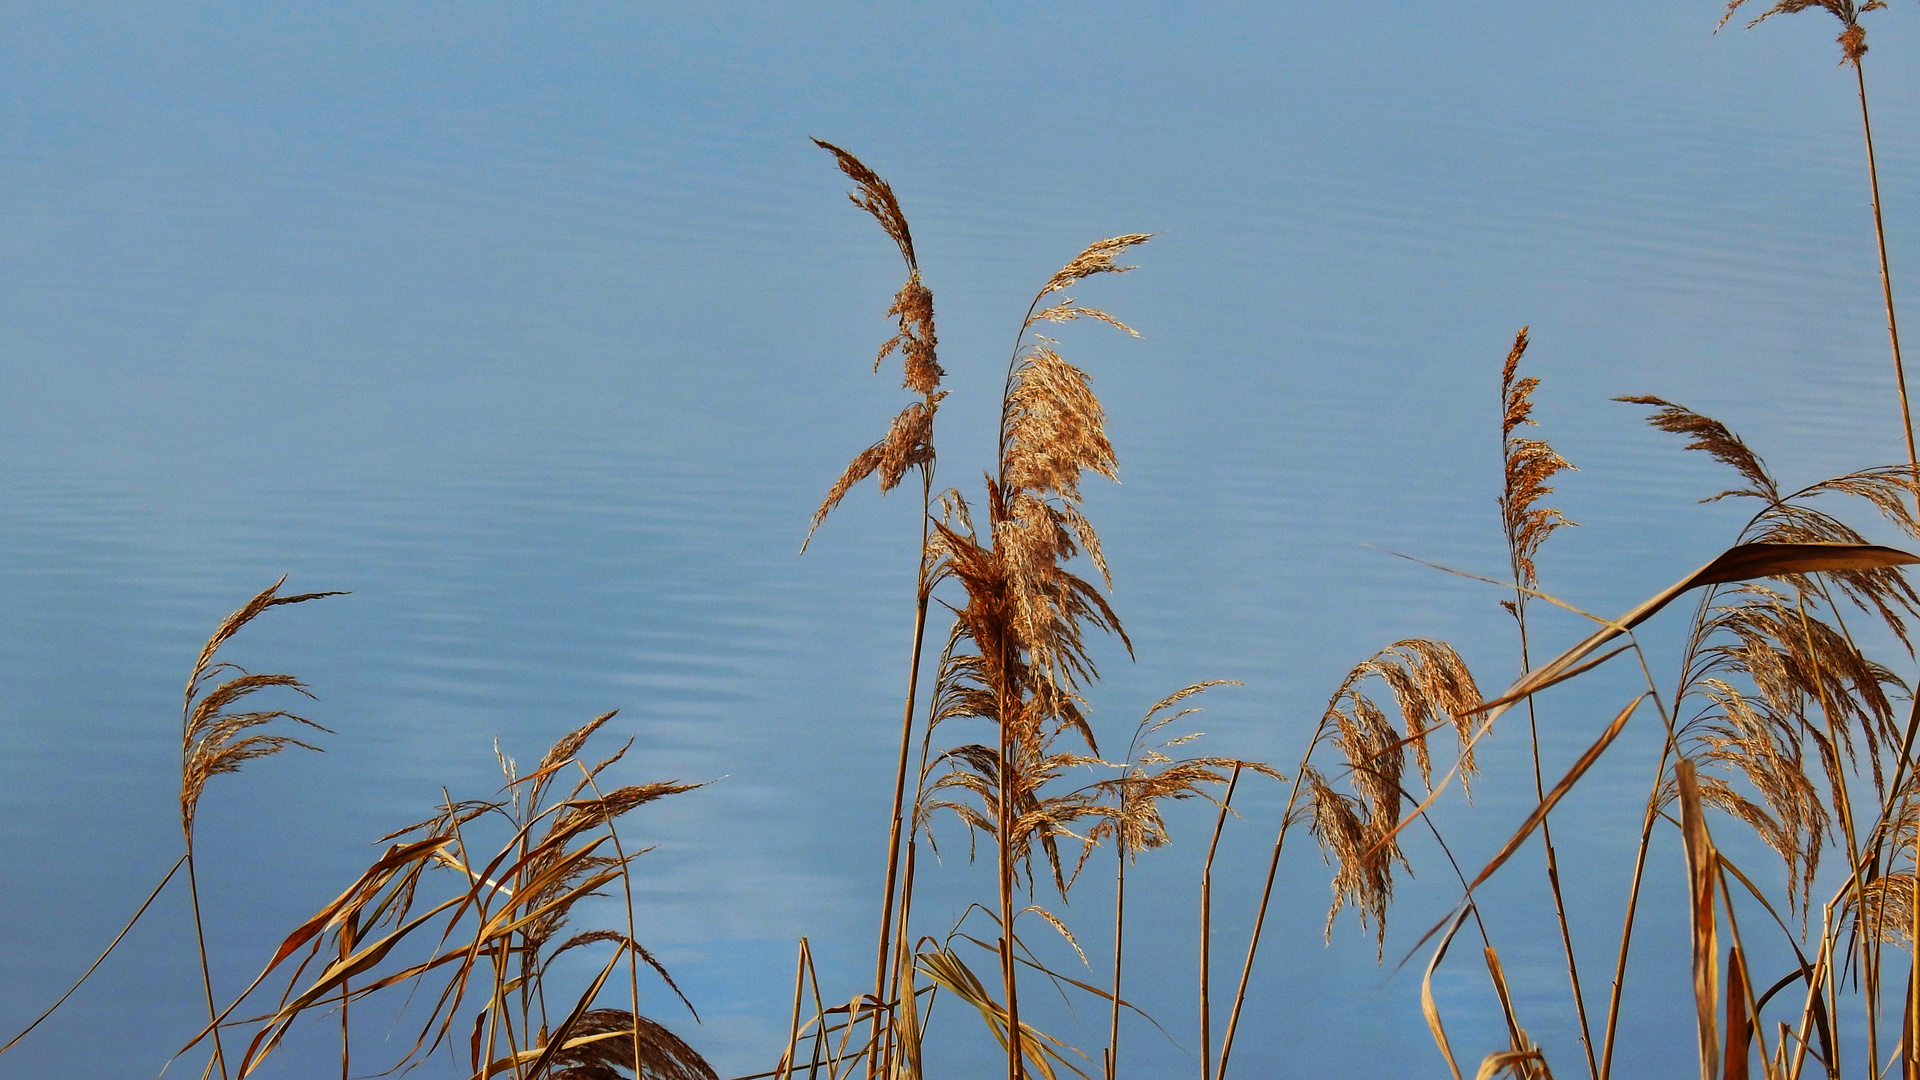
point(542, 332)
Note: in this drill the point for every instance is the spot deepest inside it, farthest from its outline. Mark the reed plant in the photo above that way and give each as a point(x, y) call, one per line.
point(216, 737)
point(1853, 50)
point(1779, 717)
point(497, 918)
point(484, 892)
point(1017, 659)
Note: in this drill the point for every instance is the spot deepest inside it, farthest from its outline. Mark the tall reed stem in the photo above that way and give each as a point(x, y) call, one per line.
point(1266, 897)
point(206, 971)
point(880, 966)
point(1119, 944)
point(1886, 279)
point(1546, 837)
point(1008, 709)
point(1633, 906)
point(1206, 932)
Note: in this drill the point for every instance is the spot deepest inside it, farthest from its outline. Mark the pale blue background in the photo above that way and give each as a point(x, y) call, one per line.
point(543, 328)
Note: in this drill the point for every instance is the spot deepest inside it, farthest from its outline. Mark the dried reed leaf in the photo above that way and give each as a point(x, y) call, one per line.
point(1427, 1005)
point(1522, 1049)
point(1526, 1064)
point(1041, 1051)
point(1559, 791)
point(1701, 885)
point(1739, 1023)
point(1738, 563)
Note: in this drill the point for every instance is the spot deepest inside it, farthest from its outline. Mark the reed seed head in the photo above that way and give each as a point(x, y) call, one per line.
point(1530, 463)
point(1852, 39)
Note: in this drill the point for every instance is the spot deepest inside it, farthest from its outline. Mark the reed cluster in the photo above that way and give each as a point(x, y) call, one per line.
point(1777, 717)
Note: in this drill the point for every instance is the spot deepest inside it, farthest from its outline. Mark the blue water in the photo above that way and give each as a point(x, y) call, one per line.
point(543, 331)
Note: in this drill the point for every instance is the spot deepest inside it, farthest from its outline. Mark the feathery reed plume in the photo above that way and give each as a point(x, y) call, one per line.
point(1025, 618)
point(501, 924)
point(1853, 47)
point(1529, 465)
point(1431, 688)
point(907, 445)
point(214, 739)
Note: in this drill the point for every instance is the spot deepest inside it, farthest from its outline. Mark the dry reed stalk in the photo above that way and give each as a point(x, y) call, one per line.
point(1134, 821)
point(101, 959)
point(507, 912)
point(214, 740)
point(1633, 905)
point(907, 445)
point(1853, 48)
point(793, 1028)
point(1530, 463)
point(1026, 618)
point(1206, 932)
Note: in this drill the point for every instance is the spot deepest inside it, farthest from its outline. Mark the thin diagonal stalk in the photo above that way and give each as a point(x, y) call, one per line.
point(903, 947)
point(793, 1029)
point(1886, 279)
point(1633, 906)
point(206, 971)
point(1844, 804)
point(103, 957)
point(633, 949)
point(1266, 897)
point(1007, 709)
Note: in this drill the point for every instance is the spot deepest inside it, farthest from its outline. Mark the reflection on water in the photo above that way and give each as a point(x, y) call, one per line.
point(550, 377)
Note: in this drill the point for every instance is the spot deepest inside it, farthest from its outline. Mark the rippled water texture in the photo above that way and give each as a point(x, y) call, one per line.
point(543, 330)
